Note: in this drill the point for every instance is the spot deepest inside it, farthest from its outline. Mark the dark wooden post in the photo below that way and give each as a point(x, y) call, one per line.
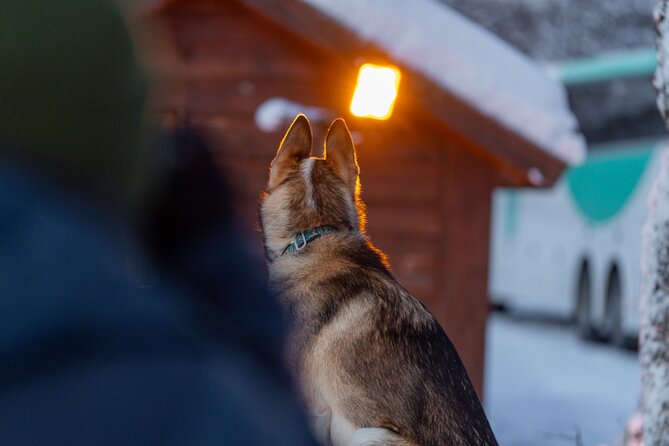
point(462, 308)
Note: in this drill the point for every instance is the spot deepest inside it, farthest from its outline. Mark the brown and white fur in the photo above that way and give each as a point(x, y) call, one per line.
point(374, 366)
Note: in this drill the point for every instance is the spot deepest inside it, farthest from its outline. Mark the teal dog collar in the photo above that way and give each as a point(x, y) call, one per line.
point(302, 239)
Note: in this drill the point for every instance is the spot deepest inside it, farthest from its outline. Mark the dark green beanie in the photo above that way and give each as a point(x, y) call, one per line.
point(71, 91)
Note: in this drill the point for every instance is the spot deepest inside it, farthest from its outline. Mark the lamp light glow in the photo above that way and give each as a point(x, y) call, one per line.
point(375, 91)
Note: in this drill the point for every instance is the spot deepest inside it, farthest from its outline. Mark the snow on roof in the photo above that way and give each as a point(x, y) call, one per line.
point(275, 114)
point(470, 62)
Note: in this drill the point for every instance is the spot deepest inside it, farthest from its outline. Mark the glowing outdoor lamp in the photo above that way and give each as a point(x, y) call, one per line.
point(375, 91)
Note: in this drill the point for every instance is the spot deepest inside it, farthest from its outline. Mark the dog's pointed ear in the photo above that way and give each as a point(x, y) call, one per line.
point(295, 146)
point(340, 153)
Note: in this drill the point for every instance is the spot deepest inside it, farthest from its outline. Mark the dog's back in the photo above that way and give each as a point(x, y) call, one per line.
point(374, 364)
point(380, 358)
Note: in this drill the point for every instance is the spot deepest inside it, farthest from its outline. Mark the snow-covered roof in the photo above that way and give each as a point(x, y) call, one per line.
point(470, 62)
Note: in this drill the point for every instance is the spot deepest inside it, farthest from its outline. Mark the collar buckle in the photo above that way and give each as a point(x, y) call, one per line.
point(300, 241)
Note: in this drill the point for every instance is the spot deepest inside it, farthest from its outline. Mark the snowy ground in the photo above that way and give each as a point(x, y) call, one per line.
point(544, 386)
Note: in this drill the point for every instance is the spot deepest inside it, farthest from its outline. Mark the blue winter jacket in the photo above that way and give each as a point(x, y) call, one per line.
point(89, 357)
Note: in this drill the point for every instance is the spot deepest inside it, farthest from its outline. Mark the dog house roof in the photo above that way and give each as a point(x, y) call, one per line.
point(458, 70)
point(469, 61)
point(468, 79)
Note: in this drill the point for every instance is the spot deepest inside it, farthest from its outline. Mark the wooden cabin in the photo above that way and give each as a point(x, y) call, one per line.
point(427, 172)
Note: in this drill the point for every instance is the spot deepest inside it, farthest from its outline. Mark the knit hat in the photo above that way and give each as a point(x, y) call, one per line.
point(71, 91)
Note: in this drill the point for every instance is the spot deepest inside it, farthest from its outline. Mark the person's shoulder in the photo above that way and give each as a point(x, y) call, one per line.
point(66, 285)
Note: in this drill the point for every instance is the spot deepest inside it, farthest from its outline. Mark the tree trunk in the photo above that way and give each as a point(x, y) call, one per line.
point(654, 349)
point(661, 79)
point(654, 336)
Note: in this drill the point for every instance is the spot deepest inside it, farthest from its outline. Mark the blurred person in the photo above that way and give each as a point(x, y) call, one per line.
point(87, 357)
point(633, 435)
point(190, 235)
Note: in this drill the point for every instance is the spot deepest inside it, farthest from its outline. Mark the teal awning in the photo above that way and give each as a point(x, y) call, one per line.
point(606, 67)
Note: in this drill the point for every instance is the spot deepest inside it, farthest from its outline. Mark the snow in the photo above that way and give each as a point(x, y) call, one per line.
point(535, 176)
point(275, 114)
point(544, 386)
point(470, 62)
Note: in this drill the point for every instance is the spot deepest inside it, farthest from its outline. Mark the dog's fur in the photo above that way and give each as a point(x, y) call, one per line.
point(375, 366)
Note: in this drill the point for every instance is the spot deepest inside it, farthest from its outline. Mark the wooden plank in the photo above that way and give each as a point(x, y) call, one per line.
point(217, 69)
point(236, 135)
point(404, 221)
point(258, 48)
point(411, 276)
point(308, 23)
point(242, 40)
point(242, 51)
point(398, 141)
point(244, 96)
point(412, 183)
point(216, 29)
point(230, 34)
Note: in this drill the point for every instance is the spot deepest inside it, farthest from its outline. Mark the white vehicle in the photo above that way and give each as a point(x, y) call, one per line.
point(574, 251)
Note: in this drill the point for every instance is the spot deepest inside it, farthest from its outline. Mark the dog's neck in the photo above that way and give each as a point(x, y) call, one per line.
point(280, 246)
point(328, 255)
point(293, 258)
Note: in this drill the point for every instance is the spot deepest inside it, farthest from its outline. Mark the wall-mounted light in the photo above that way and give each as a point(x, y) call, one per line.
point(375, 91)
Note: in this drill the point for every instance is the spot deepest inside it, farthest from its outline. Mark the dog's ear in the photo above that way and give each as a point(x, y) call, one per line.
point(295, 146)
point(340, 153)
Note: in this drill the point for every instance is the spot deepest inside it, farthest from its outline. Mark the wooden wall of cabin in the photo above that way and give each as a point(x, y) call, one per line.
point(214, 64)
point(428, 201)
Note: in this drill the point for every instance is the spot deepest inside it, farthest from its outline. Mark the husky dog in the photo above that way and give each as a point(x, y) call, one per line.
point(375, 367)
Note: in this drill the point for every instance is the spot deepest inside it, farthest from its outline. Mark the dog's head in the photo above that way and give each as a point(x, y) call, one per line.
point(305, 192)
